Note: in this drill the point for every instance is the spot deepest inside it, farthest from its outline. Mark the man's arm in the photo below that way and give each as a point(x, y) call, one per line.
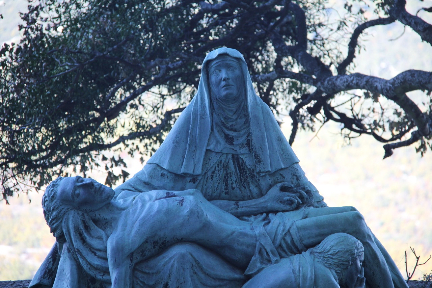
point(278, 199)
point(242, 208)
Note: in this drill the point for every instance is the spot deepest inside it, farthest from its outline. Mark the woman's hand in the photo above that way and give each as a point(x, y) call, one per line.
point(283, 197)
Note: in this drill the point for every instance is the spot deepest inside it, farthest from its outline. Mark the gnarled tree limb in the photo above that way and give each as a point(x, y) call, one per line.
point(420, 26)
point(393, 89)
point(354, 41)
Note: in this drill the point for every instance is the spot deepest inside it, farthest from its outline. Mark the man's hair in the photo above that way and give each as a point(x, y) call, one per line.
point(87, 242)
point(337, 252)
point(53, 210)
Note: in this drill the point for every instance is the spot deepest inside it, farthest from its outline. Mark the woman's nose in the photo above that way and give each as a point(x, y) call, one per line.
point(224, 74)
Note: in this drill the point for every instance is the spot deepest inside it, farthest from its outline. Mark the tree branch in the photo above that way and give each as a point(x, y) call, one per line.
point(361, 128)
point(42, 163)
point(313, 65)
point(388, 148)
point(354, 41)
point(272, 76)
point(420, 26)
point(393, 89)
point(134, 135)
point(293, 113)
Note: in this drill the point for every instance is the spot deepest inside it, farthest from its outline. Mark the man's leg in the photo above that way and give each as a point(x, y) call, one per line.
point(315, 212)
point(397, 277)
point(398, 280)
point(313, 230)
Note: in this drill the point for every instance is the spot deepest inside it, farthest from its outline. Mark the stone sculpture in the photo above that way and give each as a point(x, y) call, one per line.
point(106, 243)
point(228, 148)
point(336, 262)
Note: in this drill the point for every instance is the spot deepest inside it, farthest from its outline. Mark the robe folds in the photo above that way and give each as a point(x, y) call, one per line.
point(77, 263)
point(228, 152)
point(198, 154)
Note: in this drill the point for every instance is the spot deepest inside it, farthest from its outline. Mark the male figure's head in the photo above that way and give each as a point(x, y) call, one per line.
point(226, 78)
point(72, 193)
point(66, 204)
point(343, 254)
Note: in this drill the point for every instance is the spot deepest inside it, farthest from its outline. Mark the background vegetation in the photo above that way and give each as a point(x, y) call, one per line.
point(92, 76)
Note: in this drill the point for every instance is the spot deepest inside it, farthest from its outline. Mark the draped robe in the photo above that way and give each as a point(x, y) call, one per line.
point(235, 153)
point(229, 151)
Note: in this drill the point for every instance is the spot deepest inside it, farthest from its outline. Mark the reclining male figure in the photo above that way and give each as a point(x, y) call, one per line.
point(136, 228)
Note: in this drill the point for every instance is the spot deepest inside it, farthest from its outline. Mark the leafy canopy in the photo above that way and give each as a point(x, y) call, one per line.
point(92, 76)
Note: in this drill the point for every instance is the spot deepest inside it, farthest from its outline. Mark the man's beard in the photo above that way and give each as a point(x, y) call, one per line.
point(87, 244)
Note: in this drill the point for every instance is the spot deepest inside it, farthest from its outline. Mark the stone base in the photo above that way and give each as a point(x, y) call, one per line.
point(420, 284)
point(15, 284)
point(25, 283)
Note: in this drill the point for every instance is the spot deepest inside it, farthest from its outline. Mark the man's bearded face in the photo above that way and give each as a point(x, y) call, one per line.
point(226, 79)
point(83, 193)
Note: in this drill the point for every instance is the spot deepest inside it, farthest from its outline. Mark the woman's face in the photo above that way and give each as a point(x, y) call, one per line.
point(226, 79)
point(83, 193)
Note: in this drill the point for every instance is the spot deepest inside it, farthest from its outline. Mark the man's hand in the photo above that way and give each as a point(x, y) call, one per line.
point(283, 197)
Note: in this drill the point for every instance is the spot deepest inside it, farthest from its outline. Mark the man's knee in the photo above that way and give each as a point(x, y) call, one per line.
point(351, 209)
point(357, 217)
point(359, 224)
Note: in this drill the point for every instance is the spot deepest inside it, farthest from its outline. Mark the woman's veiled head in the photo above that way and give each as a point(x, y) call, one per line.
point(226, 78)
point(229, 108)
point(201, 127)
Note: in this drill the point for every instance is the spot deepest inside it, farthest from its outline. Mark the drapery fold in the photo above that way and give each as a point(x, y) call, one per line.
point(184, 148)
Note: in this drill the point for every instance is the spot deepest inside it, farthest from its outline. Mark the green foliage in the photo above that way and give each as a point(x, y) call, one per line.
point(94, 76)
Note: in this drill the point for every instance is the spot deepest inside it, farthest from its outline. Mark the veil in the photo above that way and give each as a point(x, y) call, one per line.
point(184, 148)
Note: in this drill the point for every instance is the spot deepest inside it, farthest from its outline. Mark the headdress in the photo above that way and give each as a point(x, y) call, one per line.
point(184, 147)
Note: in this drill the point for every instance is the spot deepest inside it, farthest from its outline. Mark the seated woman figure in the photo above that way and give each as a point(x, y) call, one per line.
point(228, 145)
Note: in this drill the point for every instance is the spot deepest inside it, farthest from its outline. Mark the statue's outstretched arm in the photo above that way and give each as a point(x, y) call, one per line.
point(276, 200)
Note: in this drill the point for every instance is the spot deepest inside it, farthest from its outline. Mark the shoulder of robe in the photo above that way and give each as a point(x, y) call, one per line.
point(323, 277)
